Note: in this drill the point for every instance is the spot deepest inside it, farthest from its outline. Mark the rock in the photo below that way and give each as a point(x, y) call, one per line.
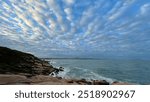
point(100, 82)
point(16, 62)
point(120, 83)
point(81, 81)
point(61, 69)
point(6, 79)
point(70, 81)
point(56, 71)
point(89, 83)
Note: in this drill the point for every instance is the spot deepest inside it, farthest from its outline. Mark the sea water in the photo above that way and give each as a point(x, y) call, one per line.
point(132, 71)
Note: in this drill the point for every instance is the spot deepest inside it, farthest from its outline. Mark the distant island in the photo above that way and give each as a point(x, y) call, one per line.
point(18, 67)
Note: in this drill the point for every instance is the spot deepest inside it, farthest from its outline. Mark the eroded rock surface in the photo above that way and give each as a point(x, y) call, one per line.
point(17, 62)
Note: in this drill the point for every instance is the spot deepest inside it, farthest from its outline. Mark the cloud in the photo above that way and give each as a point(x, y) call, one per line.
point(51, 27)
point(69, 2)
point(123, 6)
point(68, 11)
point(60, 15)
point(145, 9)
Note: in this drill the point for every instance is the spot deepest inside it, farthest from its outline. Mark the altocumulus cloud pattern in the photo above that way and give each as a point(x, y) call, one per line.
point(85, 28)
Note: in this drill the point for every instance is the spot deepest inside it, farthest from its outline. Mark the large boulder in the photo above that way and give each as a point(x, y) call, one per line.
point(17, 62)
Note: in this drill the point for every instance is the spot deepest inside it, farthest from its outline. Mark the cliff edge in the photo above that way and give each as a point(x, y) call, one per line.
point(17, 62)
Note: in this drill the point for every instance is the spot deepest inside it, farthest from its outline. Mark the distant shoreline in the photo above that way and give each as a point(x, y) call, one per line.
point(94, 59)
point(73, 58)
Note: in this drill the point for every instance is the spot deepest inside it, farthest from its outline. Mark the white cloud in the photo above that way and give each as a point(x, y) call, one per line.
point(68, 11)
point(60, 15)
point(75, 25)
point(120, 8)
point(69, 2)
point(145, 9)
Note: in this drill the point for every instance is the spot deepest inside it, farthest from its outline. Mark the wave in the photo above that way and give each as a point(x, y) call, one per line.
point(81, 73)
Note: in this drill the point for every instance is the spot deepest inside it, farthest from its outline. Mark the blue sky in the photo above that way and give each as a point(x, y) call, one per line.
point(77, 28)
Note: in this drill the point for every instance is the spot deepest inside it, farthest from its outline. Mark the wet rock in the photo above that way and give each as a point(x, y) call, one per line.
point(61, 69)
point(56, 71)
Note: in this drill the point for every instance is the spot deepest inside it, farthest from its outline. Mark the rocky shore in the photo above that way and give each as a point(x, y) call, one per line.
point(19, 68)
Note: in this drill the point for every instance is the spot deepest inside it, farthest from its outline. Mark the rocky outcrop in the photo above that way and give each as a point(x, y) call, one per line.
point(17, 67)
point(17, 62)
point(86, 82)
point(6, 79)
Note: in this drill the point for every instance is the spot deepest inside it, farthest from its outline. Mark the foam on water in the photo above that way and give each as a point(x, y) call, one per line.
point(132, 71)
point(81, 73)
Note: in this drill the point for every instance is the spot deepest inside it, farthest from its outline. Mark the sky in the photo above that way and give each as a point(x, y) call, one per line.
point(77, 28)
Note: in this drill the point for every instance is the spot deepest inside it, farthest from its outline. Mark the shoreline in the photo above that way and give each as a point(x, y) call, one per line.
point(11, 79)
point(20, 68)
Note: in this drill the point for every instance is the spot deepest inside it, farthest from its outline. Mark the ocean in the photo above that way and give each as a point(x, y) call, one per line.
point(132, 71)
